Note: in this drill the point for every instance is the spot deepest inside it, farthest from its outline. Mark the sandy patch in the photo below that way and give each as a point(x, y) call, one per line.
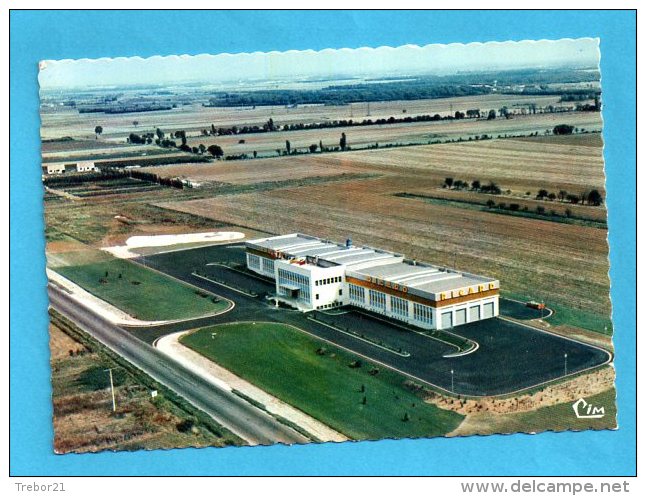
point(584, 385)
point(224, 379)
point(160, 240)
point(61, 345)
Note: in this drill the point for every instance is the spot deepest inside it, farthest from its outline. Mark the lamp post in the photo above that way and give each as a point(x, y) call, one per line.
point(452, 382)
point(565, 363)
point(114, 404)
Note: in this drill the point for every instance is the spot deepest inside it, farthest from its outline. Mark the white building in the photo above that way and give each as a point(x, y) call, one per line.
point(67, 168)
point(320, 274)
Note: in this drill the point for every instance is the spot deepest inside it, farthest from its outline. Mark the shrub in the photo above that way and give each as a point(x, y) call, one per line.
point(185, 425)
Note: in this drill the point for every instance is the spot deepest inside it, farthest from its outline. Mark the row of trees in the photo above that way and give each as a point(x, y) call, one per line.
point(475, 185)
point(270, 125)
point(160, 139)
point(592, 197)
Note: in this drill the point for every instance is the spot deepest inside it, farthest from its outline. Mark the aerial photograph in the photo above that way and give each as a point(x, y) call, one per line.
point(326, 246)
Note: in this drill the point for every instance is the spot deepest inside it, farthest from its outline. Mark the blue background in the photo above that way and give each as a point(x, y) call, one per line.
point(37, 35)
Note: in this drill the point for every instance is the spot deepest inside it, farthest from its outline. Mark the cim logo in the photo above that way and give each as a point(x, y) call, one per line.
point(585, 410)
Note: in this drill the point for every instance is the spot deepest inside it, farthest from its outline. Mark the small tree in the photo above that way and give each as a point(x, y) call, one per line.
point(562, 129)
point(491, 203)
point(562, 195)
point(595, 198)
point(448, 182)
point(343, 141)
point(288, 147)
point(98, 130)
point(475, 185)
point(216, 151)
point(313, 148)
point(491, 115)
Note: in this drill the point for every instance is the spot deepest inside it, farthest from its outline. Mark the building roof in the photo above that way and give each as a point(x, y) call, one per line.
point(367, 262)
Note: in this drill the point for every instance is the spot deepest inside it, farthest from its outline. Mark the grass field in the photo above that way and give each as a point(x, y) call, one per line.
point(141, 292)
point(284, 362)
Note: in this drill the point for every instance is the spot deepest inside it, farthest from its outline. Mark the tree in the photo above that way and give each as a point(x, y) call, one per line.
point(343, 141)
point(98, 130)
point(135, 123)
point(552, 196)
point(255, 154)
point(562, 129)
point(448, 182)
point(313, 148)
point(288, 147)
point(202, 148)
point(160, 134)
point(216, 151)
point(595, 198)
point(321, 145)
point(475, 185)
point(542, 193)
point(572, 199)
point(213, 131)
point(491, 203)
point(491, 115)
point(562, 195)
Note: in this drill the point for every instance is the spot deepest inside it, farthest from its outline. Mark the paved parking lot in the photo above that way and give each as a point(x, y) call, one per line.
point(510, 356)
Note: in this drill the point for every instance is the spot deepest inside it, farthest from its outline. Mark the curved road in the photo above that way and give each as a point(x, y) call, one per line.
point(250, 423)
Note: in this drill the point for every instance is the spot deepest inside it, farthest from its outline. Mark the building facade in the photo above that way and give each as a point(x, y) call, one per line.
point(317, 274)
point(68, 168)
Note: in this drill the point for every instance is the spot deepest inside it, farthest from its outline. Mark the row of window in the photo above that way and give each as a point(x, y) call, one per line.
point(268, 265)
point(253, 261)
point(290, 278)
point(357, 293)
point(377, 299)
point(399, 306)
point(329, 305)
point(422, 313)
point(329, 280)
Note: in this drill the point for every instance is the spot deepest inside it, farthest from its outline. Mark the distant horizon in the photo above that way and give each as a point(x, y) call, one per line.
point(404, 61)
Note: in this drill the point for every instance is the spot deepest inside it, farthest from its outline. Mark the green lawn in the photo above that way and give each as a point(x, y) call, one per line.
point(141, 292)
point(284, 362)
point(575, 317)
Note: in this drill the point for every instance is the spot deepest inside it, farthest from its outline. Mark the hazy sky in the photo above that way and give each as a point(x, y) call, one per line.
point(404, 60)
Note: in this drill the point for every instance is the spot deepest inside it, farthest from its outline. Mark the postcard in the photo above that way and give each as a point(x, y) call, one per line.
point(343, 245)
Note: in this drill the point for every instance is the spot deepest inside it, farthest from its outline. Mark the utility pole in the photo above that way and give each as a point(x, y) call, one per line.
point(114, 403)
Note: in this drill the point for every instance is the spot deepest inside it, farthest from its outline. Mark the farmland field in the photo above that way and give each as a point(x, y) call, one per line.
point(140, 292)
point(563, 263)
point(284, 362)
point(520, 165)
point(359, 137)
point(68, 122)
